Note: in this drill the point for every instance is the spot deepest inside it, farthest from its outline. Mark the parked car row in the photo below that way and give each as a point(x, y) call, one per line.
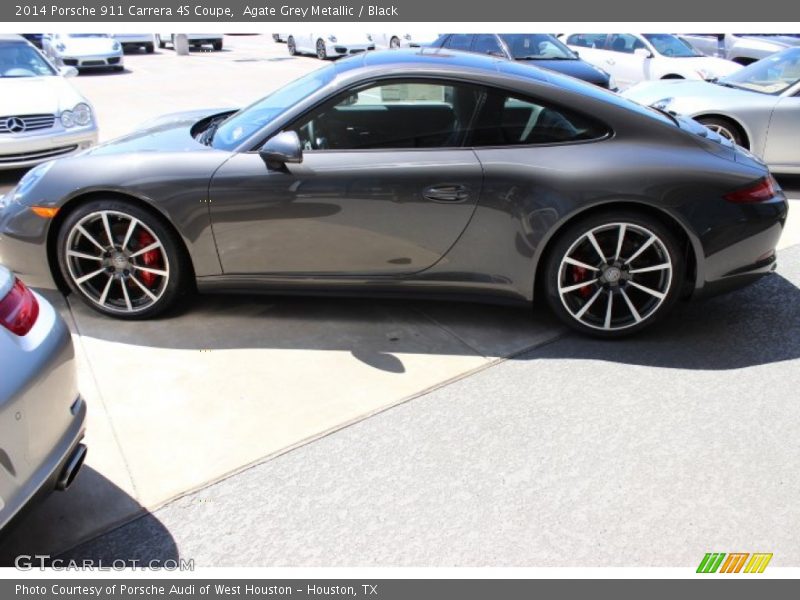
point(332, 45)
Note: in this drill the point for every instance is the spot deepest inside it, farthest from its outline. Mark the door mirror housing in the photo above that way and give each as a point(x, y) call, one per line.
point(643, 52)
point(282, 149)
point(67, 71)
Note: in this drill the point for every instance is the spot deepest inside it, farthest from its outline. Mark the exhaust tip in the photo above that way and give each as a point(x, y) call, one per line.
point(70, 470)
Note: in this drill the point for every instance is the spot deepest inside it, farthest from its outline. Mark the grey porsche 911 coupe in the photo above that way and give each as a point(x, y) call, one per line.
point(420, 172)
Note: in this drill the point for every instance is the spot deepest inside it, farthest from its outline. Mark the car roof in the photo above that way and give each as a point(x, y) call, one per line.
point(12, 37)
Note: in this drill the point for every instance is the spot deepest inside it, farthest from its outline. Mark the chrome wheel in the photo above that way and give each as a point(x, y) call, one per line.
point(722, 130)
point(117, 261)
point(322, 52)
point(615, 276)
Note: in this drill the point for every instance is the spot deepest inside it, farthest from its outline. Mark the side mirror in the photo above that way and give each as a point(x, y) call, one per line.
point(576, 53)
point(282, 149)
point(643, 52)
point(68, 71)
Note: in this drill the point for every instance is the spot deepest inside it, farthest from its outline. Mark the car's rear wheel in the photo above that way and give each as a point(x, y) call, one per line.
point(614, 273)
point(149, 48)
point(290, 46)
point(161, 43)
point(725, 128)
point(322, 52)
point(122, 260)
point(217, 45)
point(394, 43)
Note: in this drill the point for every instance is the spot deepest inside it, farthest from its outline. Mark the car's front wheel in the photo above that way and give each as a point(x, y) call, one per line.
point(614, 273)
point(291, 46)
point(217, 45)
point(322, 51)
point(394, 43)
point(121, 259)
point(725, 128)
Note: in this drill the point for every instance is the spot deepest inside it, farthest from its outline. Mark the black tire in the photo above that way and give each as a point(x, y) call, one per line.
point(117, 302)
point(610, 281)
point(119, 69)
point(726, 128)
point(394, 43)
point(217, 46)
point(291, 46)
point(161, 43)
point(149, 48)
point(322, 52)
point(276, 38)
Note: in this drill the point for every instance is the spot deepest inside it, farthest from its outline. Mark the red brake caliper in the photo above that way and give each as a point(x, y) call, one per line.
point(151, 258)
point(578, 275)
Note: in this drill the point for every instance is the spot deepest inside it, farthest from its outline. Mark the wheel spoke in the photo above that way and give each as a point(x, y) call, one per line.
point(596, 246)
point(104, 295)
point(125, 293)
point(636, 316)
point(607, 324)
point(152, 246)
point(641, 249)
point(149, 270)
point(85, 278)
point(107, 227)
point(89, 237)
point(83, 255)
point(588, 304)
point(580, 264)
point(577, 286)
point(150, 294)
point(129, 233)
point(620, 239)
point(655, 293)
point(652, 268)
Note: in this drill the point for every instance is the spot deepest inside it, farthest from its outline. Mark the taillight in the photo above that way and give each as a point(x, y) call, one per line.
point(762, 190)
point(19, 309)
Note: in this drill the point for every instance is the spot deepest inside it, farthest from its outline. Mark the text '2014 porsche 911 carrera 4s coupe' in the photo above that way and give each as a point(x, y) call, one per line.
point(416, 172)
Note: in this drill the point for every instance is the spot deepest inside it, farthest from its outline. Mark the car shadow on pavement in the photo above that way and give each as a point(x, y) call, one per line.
point(756, 325)
point(52, 525)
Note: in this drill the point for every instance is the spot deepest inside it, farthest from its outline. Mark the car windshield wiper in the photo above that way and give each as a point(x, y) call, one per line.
point(208, 135)
point(545, 58)
point(667, 113)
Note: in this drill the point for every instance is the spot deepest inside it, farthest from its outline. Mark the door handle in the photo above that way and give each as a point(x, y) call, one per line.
point(446, 193)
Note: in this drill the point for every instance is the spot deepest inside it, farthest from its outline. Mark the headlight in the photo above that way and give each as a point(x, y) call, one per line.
point(116, 47)
point(332, 38)
point(82, 114)
point(29, 180)
point(67, 120)
point(704, 74)
point(407, 36)
point(60, 47)
point(662, 104)
point(369, 37)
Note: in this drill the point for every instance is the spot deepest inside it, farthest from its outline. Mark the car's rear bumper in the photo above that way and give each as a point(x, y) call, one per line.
point(43, 417)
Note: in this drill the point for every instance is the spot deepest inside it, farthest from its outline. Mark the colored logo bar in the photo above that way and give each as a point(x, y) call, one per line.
point(734, 562)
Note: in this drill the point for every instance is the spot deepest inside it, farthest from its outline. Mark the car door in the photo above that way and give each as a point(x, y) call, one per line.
point(784, 131)
point(385, 186)
point(589, 46)
point(622, 62)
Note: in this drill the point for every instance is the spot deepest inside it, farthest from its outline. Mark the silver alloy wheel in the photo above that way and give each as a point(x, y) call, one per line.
point(322, 52)
point(615, 276)
point(394, 43)
point(722, 130)
point(117, 261)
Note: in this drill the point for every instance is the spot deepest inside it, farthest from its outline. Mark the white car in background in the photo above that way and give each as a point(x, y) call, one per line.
point(83, 50)
point(397, 40)
point(196, 40)
point(634, 57)
point(41, 115)
point(129, 41)
point(329, 45)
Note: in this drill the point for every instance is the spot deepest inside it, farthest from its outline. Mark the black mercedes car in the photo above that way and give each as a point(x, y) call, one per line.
point(539, 49)
point(413, 172)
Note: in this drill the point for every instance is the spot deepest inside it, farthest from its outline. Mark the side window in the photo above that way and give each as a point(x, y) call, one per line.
point(587, 40)
point(487, 44)
point(459, 41)
point(395, 114)
point(625, 42)
point(510, 120)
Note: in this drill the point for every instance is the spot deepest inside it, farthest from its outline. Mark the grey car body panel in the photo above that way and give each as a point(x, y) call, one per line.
point(490, 245)
point(771, 123)
point(41, 414)
point(735, 46)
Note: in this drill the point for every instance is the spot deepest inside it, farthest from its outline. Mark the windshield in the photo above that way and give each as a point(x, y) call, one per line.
point(241, 125)
point(536, 46)
point(772, 75)
point(87, 35)
point(669, 45)
point(20, 60)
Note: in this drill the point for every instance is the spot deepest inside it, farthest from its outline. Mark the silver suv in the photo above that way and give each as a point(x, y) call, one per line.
point(740, 47)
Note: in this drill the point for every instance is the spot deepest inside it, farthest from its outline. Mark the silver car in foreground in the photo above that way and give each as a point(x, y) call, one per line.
point(41, 412)
point(757, 107)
